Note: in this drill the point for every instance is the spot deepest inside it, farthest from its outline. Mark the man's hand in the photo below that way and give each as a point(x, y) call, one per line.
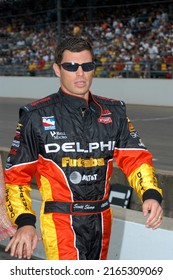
point(154, 211)
point(23, 243)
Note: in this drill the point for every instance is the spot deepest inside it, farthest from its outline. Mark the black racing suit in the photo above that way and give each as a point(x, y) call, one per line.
point(70, 144)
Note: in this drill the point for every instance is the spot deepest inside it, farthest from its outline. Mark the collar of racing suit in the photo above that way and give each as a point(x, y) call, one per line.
point(81, 103)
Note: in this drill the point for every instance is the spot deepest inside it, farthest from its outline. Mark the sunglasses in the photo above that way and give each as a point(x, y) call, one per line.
point(72, 66)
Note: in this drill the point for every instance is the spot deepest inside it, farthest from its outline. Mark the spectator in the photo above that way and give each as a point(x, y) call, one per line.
point(32, 68)
point(24, 38)
point(41, 63)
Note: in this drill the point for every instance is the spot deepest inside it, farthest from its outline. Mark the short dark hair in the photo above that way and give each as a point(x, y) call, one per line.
point(72, 44)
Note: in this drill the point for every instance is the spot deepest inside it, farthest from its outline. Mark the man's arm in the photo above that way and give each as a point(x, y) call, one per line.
point(135, 161)
point(20, 168)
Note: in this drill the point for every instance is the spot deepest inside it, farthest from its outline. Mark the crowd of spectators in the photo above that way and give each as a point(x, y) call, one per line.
point(128, 40)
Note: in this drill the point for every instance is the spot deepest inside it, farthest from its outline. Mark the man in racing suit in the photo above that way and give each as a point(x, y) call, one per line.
point(69, 140)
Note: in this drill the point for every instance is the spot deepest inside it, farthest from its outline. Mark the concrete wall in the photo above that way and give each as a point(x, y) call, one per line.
point(132, 91)
point(131, 240)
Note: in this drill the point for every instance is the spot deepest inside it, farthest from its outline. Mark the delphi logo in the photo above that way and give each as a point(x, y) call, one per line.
point(77, 147)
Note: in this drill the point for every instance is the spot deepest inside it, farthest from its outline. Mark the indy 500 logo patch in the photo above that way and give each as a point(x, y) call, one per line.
point(48, 123)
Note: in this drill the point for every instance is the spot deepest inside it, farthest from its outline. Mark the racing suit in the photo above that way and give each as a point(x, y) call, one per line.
point(70, 144)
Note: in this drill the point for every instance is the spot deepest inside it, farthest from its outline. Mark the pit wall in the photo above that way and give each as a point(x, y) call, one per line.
point(132, 91)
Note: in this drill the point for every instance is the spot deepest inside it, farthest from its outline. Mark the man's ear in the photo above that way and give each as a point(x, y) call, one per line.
point(56, 69)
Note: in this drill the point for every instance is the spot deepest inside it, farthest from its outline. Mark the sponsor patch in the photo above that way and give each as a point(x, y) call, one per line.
point(13, 151)
point(131, 127)
point(106, 113)
point(16, 143)
point(105, 120)
point(76, 177)
point(58, 135)
point(19, 126)
point(80, 162)
point(48, 123)
point(71, 147)
point(17, 135)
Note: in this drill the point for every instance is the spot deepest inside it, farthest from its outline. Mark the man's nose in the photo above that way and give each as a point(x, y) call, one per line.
point(80, 70)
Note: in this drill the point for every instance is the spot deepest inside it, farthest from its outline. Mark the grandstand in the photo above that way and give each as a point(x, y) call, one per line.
point(131, 39)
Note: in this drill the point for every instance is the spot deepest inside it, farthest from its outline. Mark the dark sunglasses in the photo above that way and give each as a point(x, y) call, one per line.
point(72, 66)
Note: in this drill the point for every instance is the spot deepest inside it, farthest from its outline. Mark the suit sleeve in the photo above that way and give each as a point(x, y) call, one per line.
point(135, 161)
point(20, 168)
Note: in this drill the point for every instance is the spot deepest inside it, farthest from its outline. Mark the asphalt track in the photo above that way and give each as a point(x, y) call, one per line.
point(154, 125)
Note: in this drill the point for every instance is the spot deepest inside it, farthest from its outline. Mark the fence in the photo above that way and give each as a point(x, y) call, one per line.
point(147, 70)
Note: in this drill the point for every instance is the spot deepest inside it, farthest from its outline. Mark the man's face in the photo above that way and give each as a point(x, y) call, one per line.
point(79, 81)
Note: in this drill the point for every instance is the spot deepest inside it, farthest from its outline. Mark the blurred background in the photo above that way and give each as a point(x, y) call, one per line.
point(131, 39)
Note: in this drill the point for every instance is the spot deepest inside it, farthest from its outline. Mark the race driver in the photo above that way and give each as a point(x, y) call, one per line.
point(69, 140)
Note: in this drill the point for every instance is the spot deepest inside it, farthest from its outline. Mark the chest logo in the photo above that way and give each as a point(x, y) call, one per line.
point(105, 120)
point(48, 123)
point(76, 177)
